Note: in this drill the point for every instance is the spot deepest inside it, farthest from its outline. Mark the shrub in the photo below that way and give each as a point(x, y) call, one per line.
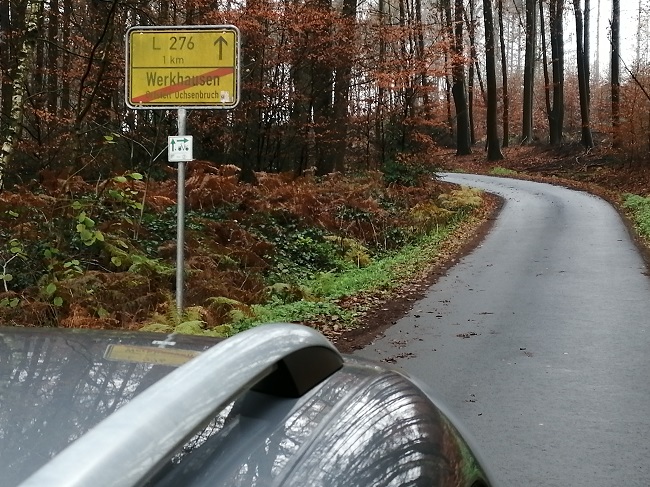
point(639, 207)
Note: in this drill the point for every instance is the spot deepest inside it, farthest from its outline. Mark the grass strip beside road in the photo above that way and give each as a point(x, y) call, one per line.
point(337, 301)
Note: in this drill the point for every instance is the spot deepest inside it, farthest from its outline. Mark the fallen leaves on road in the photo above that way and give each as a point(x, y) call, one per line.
point(467, 335)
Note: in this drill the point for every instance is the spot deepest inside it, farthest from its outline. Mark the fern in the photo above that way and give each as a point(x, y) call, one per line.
point(461, 199)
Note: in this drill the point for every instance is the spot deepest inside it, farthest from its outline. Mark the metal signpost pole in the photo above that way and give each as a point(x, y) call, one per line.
point(181, 67)
point(180, 219)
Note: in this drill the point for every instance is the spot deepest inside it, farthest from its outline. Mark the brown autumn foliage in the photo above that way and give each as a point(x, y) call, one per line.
point(88, 255)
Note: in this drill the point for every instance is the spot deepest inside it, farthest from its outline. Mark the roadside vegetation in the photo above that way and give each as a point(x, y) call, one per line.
point(638, 208)
point(102, 254)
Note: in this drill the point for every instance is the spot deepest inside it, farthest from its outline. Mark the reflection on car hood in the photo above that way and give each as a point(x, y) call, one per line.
point(365, 425)
point(57, 384)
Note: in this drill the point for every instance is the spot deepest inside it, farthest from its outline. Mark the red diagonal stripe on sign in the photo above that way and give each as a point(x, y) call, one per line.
point(168, 90)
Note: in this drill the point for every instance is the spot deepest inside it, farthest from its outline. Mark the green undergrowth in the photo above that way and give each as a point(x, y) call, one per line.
point(502, 171)
point(321, 294)
point(101, 254)
point(638, 208)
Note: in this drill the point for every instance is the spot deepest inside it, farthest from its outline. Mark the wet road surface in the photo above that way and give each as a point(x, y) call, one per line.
point(539, 341)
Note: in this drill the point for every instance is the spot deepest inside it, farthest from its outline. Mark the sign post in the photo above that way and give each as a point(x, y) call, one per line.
point(180, 219)
point(181, 68)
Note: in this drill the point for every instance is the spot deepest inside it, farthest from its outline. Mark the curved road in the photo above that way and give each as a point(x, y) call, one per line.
point(539, 341)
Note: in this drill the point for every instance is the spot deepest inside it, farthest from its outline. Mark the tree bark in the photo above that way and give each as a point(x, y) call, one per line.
point(504, 80)
point(340, 118)
point(321, 93)
point(615, 73)
point(463, 136)
point(547, 83)
point(7, 56)
point(529, 72)
point(556, 116)
point(470, 86)
point(381, 92)
point(248, 119)
point(493, 148)
point(24, 68)
point(421, 54)
point(587, 49)
point(53, 58)
point(583, 85)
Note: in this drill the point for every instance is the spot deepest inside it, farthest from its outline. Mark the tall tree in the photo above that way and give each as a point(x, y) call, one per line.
point(52, 57)
point(322, 88)
point(597, 56)
point(13, 128)
point(471, 30)
point(381, 91)
point(493, 148)
point(342, 80)
point(529, 71)
point(615, 72)
point(583, 84)
point(587, 48)
point(249, 118)
point(420, 53)
point(547, 83)
point(463, 136)
point(556, 115)
point(504, 79)
point(10, 17)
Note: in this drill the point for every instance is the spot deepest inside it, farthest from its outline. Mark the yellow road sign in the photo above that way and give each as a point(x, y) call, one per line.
point(188, 66)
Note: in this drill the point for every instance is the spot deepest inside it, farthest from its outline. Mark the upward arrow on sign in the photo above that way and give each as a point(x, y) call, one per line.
point(220, 41)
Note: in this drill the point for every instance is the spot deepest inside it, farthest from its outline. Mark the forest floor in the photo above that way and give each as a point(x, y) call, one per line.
point(601, 171)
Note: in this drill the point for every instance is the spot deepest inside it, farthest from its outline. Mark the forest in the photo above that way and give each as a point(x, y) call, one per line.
point(347, 109)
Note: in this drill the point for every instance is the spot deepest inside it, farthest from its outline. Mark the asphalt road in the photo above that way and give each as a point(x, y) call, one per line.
point(539, 341)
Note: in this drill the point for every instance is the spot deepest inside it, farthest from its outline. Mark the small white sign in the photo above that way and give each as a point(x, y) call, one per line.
point(179, 148)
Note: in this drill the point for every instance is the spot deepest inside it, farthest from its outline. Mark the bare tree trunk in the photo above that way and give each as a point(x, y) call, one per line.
point(53, 58)
point(381, 92)
point(639, 32)
point(597, 57)
point(529, 71)
point(424, 80)
point(587, 49)
point(493, 148)
point(615, 73)
point(504, 79)
point(583, 86)
point(14, 127)
point(342, 79)
point(7, 56)
point(65, 58)
point(470, 86)
point(556, 116)
point(471, 28)
point(248, 119)
point(322, 94)
point(547, 83)
point(406, 89)
point(463, 138)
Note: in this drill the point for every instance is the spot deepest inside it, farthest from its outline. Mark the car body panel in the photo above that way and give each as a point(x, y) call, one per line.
point(362, 425)
point(57, 384)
